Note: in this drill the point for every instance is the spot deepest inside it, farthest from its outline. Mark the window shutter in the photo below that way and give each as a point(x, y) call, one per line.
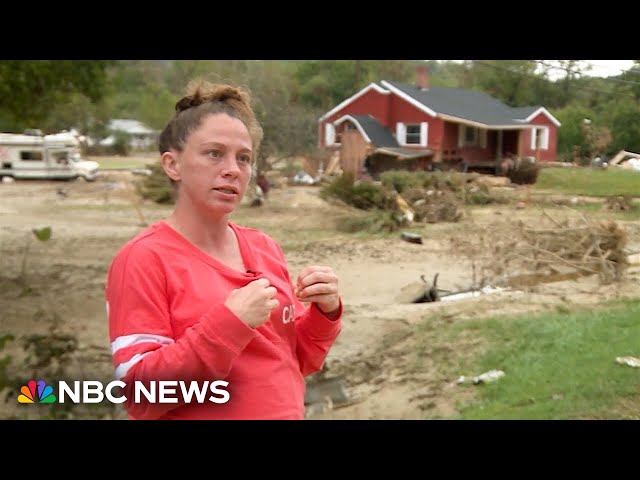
point(461, 133)
point(544, 141)
point(483, 138)
point(401, 133)
point(533, 138)
point(329, 134)
point(424, 129)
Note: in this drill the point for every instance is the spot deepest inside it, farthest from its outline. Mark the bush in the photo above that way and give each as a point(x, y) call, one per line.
point(366, 196)
point(524, 172)
point(157, 186)
point(362, 195)
point(341, 188)
point(479, 197)
point(375, 221)
point(121, 144)
point(401, 180)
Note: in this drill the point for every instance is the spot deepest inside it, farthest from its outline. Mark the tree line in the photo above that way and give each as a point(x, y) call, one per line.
point(291, 95)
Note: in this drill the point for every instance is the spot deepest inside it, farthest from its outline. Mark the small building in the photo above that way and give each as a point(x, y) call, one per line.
point(141, 137)
point(455, 128)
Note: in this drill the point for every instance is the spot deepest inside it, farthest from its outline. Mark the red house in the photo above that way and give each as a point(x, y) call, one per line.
point(450, 127)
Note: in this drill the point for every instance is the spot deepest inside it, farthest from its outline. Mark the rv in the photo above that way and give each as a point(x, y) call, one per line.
point(55, 157)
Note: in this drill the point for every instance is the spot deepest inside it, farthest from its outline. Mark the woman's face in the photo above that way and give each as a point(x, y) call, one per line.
point(214, 168)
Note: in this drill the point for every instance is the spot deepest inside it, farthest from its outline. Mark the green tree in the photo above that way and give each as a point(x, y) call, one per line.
point(31, 89)
point(290, 128)
point(183, 71)
point(325, 83)
point(570, 71)
point(624, 121)
point(572, 133)
point(632, 76)
point(139, 91)
point(511, 81)
point(446, 74)
point(77, 112)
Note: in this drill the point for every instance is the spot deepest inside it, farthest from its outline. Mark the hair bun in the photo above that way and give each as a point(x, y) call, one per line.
point(200, 92)
point(187, 102)
point(226, 92)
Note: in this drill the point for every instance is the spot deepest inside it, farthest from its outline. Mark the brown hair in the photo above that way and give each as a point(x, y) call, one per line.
point(202, 99)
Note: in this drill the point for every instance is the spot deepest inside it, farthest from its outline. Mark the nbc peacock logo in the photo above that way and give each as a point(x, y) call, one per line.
point(36, 392)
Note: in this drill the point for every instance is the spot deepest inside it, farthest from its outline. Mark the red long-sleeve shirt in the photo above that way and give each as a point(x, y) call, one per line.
point(167, 321)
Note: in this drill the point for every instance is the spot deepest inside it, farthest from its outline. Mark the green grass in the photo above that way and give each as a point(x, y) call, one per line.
point(589, 181)
point(559, 366)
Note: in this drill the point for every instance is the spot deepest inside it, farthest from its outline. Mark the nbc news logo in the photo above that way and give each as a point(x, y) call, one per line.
point(36, 392)
point(92, 391)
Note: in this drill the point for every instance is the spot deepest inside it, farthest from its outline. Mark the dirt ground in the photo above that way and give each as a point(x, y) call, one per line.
point(61, 286)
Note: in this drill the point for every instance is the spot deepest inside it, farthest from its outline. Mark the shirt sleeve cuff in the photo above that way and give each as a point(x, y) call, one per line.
point(333, 316)
point(318, 325)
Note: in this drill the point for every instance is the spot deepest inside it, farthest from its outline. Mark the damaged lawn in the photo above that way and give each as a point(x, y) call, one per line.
point(557, 366)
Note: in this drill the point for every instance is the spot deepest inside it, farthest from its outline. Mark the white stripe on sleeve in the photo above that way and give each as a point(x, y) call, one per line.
point(123, 368)
point(135, 339)
point(128, 340)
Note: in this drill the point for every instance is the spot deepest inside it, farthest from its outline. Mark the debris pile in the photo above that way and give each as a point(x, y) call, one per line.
point(519, 255)
point(432, 206)
point(619, 203)
point(591, 247)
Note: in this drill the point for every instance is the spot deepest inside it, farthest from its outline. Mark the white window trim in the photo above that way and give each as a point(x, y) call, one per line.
point(533, 139)
point(401, 134)
point(476, 137)
point(329, 135)
point(544, 140)
point(544, 143)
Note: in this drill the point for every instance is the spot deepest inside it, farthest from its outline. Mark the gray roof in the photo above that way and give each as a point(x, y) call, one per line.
point(466, 104)
point(379, 135)
point(133, 127)
point(524, 112)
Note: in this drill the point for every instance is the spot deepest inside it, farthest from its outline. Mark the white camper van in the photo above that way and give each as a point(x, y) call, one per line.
point(54, 157)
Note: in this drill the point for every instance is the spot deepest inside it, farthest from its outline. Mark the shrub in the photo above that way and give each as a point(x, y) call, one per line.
point(524, 172)
point(375, 221)
point(401, 180)
point(157, 186)
point(341, 188)
point(366, 195)
point(121, 144)
point(362, 195)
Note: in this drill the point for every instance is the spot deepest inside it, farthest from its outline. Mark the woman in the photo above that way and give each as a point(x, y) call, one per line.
point(198, 298)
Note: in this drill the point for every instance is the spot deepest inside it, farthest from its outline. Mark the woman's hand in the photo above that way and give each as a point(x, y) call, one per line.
point(253, 303)
point(318, 284)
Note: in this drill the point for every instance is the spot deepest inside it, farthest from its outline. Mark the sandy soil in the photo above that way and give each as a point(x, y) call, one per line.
point(63, 282)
